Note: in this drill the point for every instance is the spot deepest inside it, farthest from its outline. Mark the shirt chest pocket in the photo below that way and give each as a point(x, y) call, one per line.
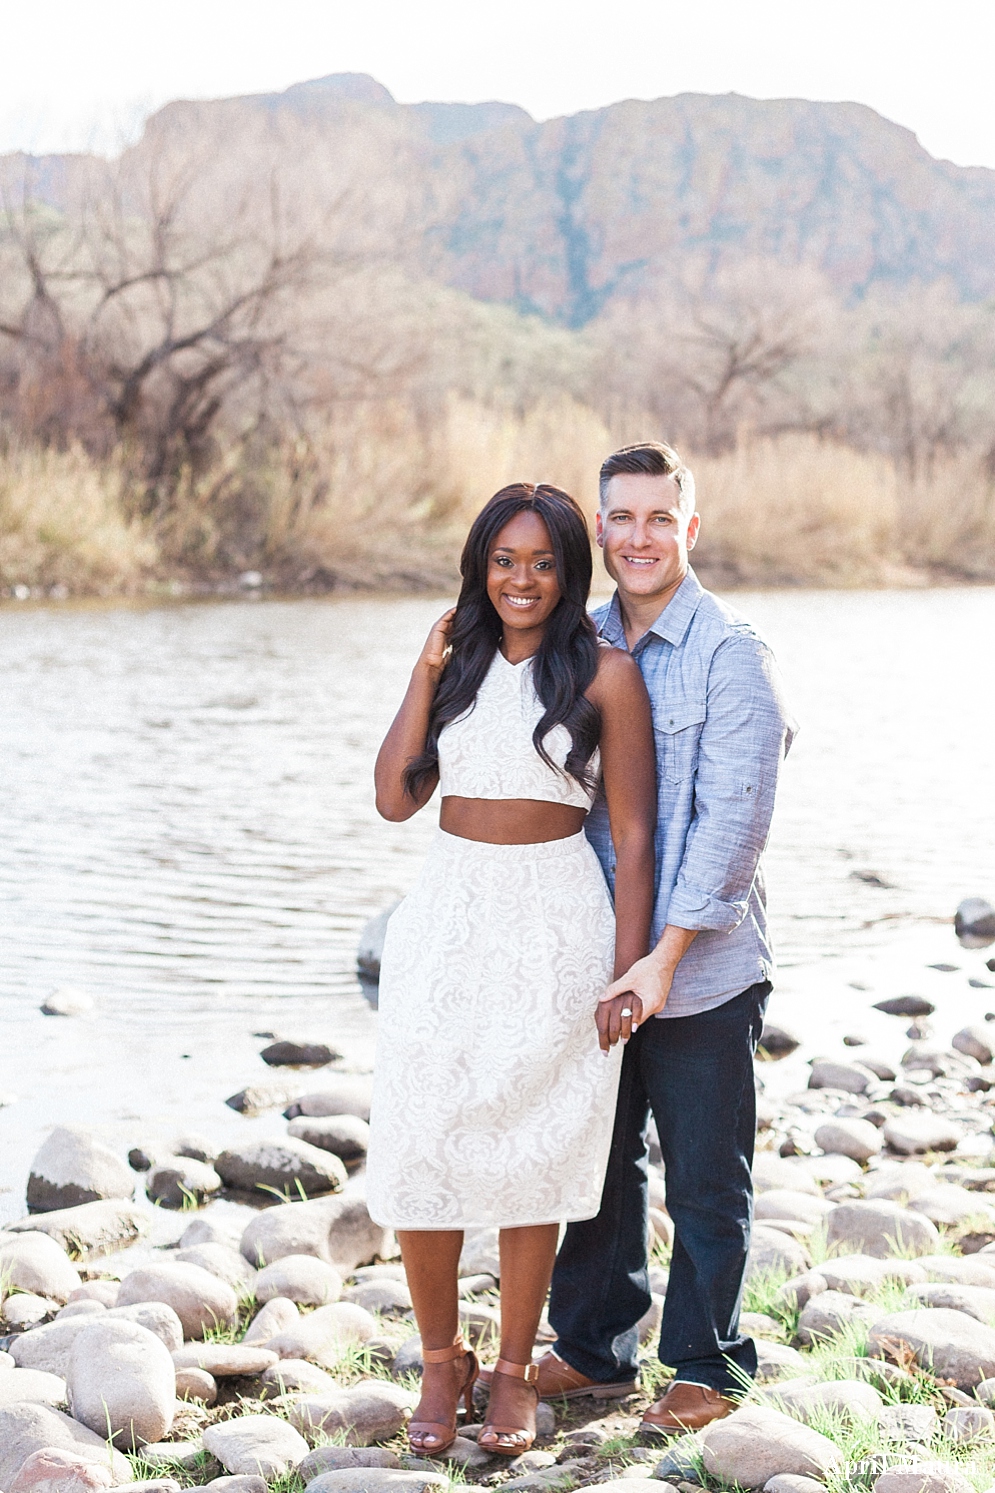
point(677, 731)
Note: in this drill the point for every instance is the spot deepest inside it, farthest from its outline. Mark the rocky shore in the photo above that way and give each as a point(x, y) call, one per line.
point(202, 1342)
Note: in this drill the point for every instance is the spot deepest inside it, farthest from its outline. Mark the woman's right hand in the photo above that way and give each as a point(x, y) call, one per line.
point(433, 655)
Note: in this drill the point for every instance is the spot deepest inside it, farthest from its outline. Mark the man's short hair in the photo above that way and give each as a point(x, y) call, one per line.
point(648, 459)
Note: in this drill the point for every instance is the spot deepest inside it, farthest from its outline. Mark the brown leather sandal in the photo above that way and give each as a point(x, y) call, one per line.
point(445, 1435)
point(523, 1438)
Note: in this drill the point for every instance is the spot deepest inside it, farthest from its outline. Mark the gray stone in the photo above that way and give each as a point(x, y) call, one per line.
point(30, 1428)
point(976, 1042)
point(121, 1383)
point(977, 1301)
point(67, 1002)
point(850, 1399)
point(259, 1444)
point(756, 1443)
point(778, 1041)
point(923, 1477)
point(324, 1334)
point(180, 1181)
point(276, 1316)
point(259, 1097)
point(91, 1228)
point(223, 1260)
point(25, 1309)
point(224, 1360)
point(208, 1230)
point(776, 1360)
point(917, 1131)
point(81, 1309)
point(333, 1458)
point(408, 1358)
point(951, 1206)
point(33, 1386)
point(898, 1181)
point(35, 1263)
point(371, 941)
point(288, 1167)
point(71, 1168)
point(778, 1203)
point(156, 1317)
point(851, 1078)
point(288, 1375)
point(346, 1094)
point(196, 1384)
point(682, 1459)
point(380, 1296)
point(104, 1292)
point(857, 1139)
point(346, 1136)
point(366, 1412)
point(790, 1482)
point(53, 1471)
point(6, 1362)
point(238, 1483)
point(301, 1278)
point(827, 1314)
point(974, 923)
point(338, 1230)
point(880, 1228)
point(772, 1251)
point(376, 1480)
point(481, 1254)
point(772, 1171)
point(48, 1347)
point(200, 1300)
point(905, 1005)
point(966, 1423)
point(947, 1343)
point(975, 1270)
point(156, 1485)
point(187, 1455)
point(284, 1053)
point(857, 1275)
point(799, 1290)
point(909, 1424)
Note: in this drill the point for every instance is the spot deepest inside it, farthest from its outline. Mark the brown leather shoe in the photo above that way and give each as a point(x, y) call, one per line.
point(558, 1381)
point(685, 1407)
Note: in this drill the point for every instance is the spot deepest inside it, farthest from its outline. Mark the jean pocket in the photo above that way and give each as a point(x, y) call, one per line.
point(677, 731)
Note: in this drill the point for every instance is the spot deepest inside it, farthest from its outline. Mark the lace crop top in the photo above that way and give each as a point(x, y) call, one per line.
point(488, 752)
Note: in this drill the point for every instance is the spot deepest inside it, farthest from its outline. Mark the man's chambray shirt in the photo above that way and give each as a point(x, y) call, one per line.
point(721, 730)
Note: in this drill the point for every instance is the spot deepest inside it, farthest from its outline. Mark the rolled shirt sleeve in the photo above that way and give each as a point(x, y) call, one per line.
point(744, 739)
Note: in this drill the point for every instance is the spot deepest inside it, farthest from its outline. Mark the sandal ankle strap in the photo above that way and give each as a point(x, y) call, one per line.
point(444, 1355)
point(527, 1371)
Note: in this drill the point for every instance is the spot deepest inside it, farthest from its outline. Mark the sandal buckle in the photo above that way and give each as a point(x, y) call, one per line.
point(531, 1375)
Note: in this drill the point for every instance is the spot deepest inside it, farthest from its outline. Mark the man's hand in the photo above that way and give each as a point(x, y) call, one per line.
point(643, 990)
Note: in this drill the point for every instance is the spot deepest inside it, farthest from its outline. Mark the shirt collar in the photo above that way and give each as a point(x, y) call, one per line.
point(672, 623)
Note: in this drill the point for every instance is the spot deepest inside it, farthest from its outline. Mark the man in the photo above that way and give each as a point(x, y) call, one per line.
point(693, 1008)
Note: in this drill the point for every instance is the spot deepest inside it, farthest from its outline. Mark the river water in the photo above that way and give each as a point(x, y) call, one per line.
point(188, 834)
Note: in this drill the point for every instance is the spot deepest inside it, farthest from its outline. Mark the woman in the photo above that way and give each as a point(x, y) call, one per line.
point(492, 1102)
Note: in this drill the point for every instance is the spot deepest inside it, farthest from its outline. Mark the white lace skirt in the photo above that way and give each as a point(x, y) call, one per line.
point(492, 1102)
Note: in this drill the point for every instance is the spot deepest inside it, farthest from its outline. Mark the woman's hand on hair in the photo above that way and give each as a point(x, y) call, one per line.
point(433, 655)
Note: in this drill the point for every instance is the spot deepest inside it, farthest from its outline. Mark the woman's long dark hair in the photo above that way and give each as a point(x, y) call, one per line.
point(567, 660)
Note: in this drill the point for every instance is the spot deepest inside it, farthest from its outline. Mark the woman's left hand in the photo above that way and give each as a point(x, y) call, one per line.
point(633, 998)
point(617, 1018)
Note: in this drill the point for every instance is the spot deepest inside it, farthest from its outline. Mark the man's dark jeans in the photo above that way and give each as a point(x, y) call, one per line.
point(696, 1074)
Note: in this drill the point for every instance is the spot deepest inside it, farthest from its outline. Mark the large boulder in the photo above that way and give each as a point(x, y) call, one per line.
point(286, 1167)
point(91, 1228)
point(156, 1317)
point(880, 1228)
point(944, 1342)
point(34, 1262)
point(338, 1230)
point(756, 1443)
point(32, 1386)
point(25, 1429)
point(122, 1383)
point(260, 1444)
point(48, 1348)
point(73, 1167)
point(199, 1299)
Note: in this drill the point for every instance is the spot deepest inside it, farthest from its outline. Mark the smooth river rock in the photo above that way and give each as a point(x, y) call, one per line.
point(974, 923)
point(379, 1480)
point(346, 1136)
point(276, 1316)
point(917, 1131)
point(285, 1167)
point(333, 1458)
point(55, 1471)
point(322, 1335)
point(223, 1260)
point(180, 1182)
point(284, 1053)
point(32, 1428)
point(122, 1382)
point(858, 1139)
point(67, 1002)
point(72, 1167)
point(91, 1228)
point(260, 1444)
point(944, 1342)
point(828, 1313)
point(773, 1171)
point(346, 1094)
point(860, 1274)
point(296, 1375)
point(338, 1230)
point(369, 1411)
point(924, 1477)
point(880, 1228)
point(301, 1278)
point(975, 1042)
point(34, 1262)
point(756, 1443)
point(852, 1078)
point(224, 1360)
point(977, 1301)
point(850, 1399)
point(196, 1384)
point(772, 1251)
point(32, 1386)
point(779, 1203)
point(199, 1299)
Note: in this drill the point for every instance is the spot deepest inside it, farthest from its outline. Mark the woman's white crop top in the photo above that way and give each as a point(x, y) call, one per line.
point(488, 752)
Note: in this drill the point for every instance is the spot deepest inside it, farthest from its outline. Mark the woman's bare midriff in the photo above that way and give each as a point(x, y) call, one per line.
point(509, 821)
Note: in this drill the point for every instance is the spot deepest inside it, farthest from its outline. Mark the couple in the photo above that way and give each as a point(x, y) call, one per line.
point(527, 1030)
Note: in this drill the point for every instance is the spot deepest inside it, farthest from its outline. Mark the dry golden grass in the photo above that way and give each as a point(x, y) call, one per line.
point(381, 495)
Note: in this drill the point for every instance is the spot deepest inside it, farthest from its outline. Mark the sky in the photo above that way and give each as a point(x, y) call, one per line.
point(78, 74)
